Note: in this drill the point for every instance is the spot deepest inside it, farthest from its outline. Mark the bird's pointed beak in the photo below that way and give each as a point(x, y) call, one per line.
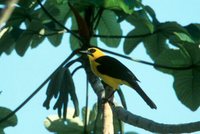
point(84, 52)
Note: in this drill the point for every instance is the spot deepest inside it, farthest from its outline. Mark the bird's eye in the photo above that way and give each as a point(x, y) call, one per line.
point(92, 50)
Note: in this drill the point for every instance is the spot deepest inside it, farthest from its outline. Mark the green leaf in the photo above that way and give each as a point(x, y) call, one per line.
point(186, 82)
point(25, 39)
point(26, 3)
point(8, 37)
point(168, 28)
point(54, 87)
point(18, 16)
point(23, 43)
point(181, 38)
point(194, 30)
point(56, 39)
point(151, 12)
point(118, 5)
point(71, 87)
point(71, 125)
point(10, 122)
point(172, 58)
point(37, 39)
point(187, 87)
point(155, 45)
point(74, 42)
point(131, 43)
point(141, 22)
point(108, 26)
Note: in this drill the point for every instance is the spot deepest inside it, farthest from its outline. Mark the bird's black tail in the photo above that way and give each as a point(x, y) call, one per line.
point(139, 90)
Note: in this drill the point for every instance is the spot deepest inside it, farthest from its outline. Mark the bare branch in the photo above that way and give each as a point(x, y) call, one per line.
point(153, 126)
point(108, 127)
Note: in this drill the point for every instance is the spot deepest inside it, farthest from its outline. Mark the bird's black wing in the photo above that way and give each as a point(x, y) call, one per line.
point(114, 68)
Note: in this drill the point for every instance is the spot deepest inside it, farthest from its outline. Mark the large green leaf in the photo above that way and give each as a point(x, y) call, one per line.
point(168, 28)
point(172, 58)
point(74, 42)
point(181, 38)
point(151, 12)
point(10, 122)
point(186, 81)
point(119, 5)
point(155, 45)
point(187, 87)
point(61, 13)
point(141, 22)
point(108, 26)
point(8, 37)
point(131, 43)
point(25, 39)
point(71, 125)
point(194, 30)
point(18, 16)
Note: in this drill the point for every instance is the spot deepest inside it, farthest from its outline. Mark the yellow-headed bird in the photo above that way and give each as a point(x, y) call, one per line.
point(114, 73)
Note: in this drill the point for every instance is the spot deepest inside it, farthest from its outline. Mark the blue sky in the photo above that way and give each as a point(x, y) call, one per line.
point(21, 75)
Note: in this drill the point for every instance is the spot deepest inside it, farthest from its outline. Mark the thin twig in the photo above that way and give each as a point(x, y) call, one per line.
point(86, 107)
point(148, 63)
point(76, 69)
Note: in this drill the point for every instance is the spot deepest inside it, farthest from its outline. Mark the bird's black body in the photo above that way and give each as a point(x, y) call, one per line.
point(114, 68)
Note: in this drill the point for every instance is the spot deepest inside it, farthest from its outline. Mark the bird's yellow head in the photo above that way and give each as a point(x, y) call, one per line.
point(93, 53)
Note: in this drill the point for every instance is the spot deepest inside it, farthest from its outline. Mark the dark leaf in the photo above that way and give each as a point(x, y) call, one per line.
point(187, 87)
point(119, 5)
point(10, 122)
point(155, 45)
point(71, 87)
point(194, 30)
point(108, 26)
point(131, 43)
point(53, 87)
point(8, 37)
point(177, 38)
point(172, 58)
point(23, 43)
point(151, 12)
point(25, 39)
point(74, 42)
point(141, 22)
point(57, 38)
point(168, 28)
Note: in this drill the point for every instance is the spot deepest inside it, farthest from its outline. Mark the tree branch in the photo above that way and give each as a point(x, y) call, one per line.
point(108, 127)
point(183, 67)
point(153, 126)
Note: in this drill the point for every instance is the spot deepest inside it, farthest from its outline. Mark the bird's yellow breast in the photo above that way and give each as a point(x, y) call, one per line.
point(112, 82)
